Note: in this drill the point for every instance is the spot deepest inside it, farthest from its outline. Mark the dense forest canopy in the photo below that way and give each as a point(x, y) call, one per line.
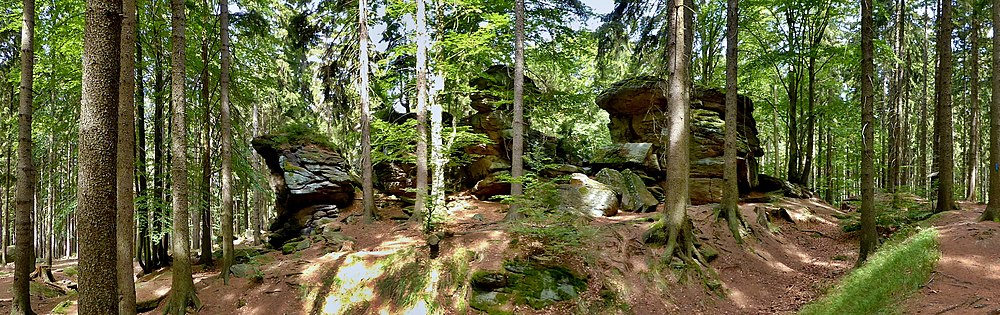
point(159, 132)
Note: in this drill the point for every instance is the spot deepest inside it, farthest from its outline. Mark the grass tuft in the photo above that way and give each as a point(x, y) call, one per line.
point(893, 273)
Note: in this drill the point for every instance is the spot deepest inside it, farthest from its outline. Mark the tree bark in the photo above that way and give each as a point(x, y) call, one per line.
point(98, 155)
point(422, 41)
point(972, 163)
point(25, 260)
point(227, 144)
point(992, 212)
point(126, 160)
point(869, 238)
point(943, 119)
point(368, 199)
point(517, 151)
point(182, 284)
point(730, 190)
point(922, 127)
point(205, 202)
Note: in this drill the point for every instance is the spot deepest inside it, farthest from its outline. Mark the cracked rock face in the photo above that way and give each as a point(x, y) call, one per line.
point(305, 178)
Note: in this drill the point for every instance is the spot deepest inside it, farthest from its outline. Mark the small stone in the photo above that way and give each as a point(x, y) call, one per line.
point(479, 217)
point(319, 214)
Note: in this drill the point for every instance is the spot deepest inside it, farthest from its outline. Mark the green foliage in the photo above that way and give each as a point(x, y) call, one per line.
point(545, 227)
point(891, 216)
point(893, 273)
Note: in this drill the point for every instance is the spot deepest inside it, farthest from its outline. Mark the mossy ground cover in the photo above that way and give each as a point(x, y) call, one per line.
point(897, 270)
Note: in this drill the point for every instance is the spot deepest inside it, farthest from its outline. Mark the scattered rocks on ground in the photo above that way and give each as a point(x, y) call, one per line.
point(588, 197)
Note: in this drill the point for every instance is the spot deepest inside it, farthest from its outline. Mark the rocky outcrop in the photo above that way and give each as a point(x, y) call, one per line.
point(310, 181)
point(634, 196)
point(494, 118)
point(637, 109)
point(588, 197)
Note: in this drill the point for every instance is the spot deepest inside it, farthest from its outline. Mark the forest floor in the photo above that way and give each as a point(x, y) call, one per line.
point(784, 264)
point(966, 279)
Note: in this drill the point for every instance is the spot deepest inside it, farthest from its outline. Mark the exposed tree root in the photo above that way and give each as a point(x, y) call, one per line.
point(179, 302)
point(737, 224)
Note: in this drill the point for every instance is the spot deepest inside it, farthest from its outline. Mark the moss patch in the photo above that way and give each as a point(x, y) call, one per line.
point(523, 282)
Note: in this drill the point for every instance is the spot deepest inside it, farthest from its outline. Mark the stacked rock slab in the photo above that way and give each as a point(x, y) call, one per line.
point(310, 182)
point(637, 110)
point(494, 118)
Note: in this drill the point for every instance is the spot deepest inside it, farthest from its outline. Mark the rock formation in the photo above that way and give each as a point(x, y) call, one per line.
point(637, 111)
point(310, 180)
point(494, 118)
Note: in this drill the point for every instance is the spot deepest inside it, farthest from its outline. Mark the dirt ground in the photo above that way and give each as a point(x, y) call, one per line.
point(781, 266)
point(966, 279)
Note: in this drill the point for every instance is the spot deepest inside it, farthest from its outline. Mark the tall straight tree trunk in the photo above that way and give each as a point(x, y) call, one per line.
point(869, 237)
point(828, 169)
point(126, 160)
point(258, 196)
point(516, 159)
point(368, 199)
point(182, 284)
point(680, 237)
point(992, 212)
point(922, 131)
point(422, 41)
point(205, 202)
point(227, 144)
point(943, 119)
point(96, 198)
point(25, 260)
point(896, 99)
point(5, 224)
point(972, 165)
point(142, 209)
point(730, 191)
point(158, 199)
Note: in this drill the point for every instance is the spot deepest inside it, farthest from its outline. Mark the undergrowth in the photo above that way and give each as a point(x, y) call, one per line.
point(891, 216)
point(545, 229)
point(897, 270)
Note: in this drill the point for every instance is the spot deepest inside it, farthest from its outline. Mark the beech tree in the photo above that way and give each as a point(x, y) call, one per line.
point(419, 208)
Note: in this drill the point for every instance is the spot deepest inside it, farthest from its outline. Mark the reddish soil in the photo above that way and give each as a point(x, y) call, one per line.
point(777, 270)
point(966, 279)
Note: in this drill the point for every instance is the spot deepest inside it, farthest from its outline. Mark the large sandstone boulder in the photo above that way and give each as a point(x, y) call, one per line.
point(306, 177)
point(588, 197)
point(637, 109)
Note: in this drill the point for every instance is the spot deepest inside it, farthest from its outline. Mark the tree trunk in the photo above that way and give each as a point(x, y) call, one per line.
point(680, 237)
point(25, 260)
point(869, 237)
point(422, 42)
point(227, 145)
point(368, 197)
point(730, 190)
point(142, 208)
point(205, 202)
point(943, 119)
point(972, 165)
point(895, 102)
point(516, 159)
point(258, 196)
point(97, 205)
point(922, 131)
point(829, 164)
point(158, 200)
point(182, 285)
point(992, 212)
point(126, 160)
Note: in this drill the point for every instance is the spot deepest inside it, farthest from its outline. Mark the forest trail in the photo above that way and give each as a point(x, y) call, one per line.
point(966, 279)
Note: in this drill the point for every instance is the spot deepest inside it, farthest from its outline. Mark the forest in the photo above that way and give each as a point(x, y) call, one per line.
point(499, 157)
